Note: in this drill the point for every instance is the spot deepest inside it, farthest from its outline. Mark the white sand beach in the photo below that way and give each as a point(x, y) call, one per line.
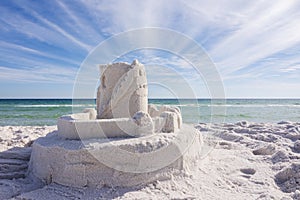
point(251, 161)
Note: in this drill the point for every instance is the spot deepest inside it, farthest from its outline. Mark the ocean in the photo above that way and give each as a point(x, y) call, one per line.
point(40, 112)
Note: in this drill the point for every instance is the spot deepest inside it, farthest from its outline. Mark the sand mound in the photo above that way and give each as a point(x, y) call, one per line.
point(289, 178)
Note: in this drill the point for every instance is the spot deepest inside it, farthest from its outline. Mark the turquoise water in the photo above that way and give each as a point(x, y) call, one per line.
point(46, 111)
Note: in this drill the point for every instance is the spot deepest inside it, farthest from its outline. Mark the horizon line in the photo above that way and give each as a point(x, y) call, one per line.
point(154, 98)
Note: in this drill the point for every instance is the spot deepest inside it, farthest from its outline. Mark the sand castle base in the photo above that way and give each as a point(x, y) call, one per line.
point(114, 162)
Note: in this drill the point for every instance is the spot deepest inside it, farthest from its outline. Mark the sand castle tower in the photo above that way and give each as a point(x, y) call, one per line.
point(123, 142)
point(123, 90)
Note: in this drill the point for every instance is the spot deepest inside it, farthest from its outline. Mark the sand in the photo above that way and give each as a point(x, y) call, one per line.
point(251, 161)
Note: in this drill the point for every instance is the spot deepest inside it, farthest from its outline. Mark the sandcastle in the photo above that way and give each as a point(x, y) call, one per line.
point(123, 142)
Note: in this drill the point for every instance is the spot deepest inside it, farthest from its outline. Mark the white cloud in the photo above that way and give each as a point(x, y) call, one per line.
point(80, 23)
point(42, 29)
point(60, 30)
point(20, 51)
point(245, 39)
point(266, 32)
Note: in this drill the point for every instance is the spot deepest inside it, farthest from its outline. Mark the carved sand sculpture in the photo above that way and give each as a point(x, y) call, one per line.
point(123, 142)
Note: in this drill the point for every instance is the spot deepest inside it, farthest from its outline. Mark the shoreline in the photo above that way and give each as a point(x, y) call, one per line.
point(251, 161)
point(46, 111)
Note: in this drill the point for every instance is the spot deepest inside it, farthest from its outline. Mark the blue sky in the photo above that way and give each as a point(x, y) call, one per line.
point(255, 45)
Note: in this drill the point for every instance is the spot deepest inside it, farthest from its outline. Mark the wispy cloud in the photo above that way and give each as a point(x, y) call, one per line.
point(80, 23)
point(245, 39)
point(265, 33)
point(37, 74)
point(21, 51)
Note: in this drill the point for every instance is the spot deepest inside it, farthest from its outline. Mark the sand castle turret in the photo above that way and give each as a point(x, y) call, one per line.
point(123, 142)
point(123, 90)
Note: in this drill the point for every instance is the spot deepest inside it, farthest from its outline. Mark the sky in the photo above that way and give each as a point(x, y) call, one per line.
point(254, 45)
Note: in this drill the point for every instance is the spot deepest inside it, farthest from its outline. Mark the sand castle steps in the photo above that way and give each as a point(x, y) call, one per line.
point(14, 162)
